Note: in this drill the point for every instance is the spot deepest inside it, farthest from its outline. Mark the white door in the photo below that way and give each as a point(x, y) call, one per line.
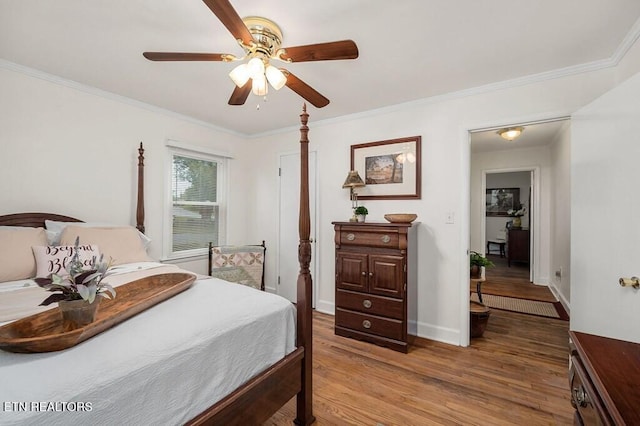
point(288, 238)
point(605, 214)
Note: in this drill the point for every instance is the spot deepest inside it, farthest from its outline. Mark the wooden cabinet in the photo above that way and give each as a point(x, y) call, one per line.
point(517, 246)
point(375, 282)
point(603, 380)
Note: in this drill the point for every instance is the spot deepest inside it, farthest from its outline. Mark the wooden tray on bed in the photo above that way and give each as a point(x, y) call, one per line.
point(43, 332)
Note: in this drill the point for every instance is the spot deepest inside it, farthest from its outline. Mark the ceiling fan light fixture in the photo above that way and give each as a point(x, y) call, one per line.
point(259, 86)
point(255, 66)
point(240, 75)
point(275, 77)
point(510, 133)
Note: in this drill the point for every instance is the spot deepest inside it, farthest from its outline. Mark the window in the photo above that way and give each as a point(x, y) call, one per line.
point(196, 208)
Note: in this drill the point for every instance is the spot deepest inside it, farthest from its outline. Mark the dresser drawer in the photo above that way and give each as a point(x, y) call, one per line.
point(370, 238)
point(370, 304)
point(583, 396)
point(372, 324)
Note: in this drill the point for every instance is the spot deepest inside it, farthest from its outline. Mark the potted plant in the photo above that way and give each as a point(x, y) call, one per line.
point(78, 292)
point(361, 213)
point(476, 263)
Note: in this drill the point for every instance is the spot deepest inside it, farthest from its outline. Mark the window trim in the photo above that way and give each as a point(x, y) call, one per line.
point(190, 151)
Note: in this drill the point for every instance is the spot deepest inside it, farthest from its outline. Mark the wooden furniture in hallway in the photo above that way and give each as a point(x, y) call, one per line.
point(373, 273)
point(517, 246)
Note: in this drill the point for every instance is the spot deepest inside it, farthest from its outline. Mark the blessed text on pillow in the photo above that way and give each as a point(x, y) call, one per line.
point(121, 244)
point(56, 259)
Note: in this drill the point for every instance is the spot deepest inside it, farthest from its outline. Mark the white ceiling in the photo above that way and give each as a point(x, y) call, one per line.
point(409, 49)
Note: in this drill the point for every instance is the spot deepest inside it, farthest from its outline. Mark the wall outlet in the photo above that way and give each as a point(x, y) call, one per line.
point(559, 274)
point(449, 217)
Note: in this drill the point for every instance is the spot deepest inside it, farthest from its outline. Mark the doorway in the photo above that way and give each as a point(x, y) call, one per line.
point(543, 149)
point(510, 226)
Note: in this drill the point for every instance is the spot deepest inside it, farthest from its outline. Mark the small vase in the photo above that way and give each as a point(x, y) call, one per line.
point(362, 217)
point(517, 222)
point(77, 313)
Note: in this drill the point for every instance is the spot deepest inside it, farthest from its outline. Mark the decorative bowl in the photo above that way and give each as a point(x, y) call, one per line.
point(400, 217)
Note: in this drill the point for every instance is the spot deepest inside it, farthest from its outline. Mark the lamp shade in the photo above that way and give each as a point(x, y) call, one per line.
point(240, 75)
point(510, 133)
point(353, 180)
point(255, 67)
point(275, 77)
point(259, 86)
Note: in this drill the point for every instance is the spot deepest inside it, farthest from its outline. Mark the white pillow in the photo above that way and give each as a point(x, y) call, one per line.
point(57, 227)
point(55, 259)
point(122, 244)
point(16, 257)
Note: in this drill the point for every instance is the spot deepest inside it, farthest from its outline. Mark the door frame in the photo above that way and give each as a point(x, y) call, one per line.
point(313, 213)
point(464, 132)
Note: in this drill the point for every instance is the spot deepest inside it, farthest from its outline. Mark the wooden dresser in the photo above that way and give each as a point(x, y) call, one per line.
point(605, 380)
point(517, 246)
point(375, 282)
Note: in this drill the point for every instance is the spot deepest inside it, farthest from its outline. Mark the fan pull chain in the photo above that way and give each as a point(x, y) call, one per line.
point(258, 105)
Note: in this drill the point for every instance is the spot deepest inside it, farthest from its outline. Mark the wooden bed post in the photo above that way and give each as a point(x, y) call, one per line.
point(304, 412)
point(140, 206)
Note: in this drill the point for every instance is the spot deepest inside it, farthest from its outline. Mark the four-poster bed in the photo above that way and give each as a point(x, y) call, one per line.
point(261, 396)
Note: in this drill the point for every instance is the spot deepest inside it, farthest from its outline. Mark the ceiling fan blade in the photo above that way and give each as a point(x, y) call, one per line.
point(230, 19)
point(304, 90)
point(240, 94)
point(344, 49)
point(178, 56)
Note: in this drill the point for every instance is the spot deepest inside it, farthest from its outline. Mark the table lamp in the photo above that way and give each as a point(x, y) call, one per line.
point(353, 181)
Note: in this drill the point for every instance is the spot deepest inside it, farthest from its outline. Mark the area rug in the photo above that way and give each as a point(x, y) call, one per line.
point(524, 306)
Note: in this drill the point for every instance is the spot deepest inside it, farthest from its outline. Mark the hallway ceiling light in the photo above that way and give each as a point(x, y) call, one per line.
point(510, 133)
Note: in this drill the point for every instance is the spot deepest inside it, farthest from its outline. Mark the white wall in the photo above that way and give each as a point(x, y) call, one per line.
point(68, 151)
point(560, 247)
point(605, 207)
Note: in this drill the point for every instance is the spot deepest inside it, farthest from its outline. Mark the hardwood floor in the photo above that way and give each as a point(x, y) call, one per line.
point(512, 281)
point(516, 374)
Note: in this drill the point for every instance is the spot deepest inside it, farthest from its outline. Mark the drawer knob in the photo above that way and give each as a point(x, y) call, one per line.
point(366, 324)
point(364, 273)
point(580, 396)
point(351, 237)
point(385, 239)
point(366, 303)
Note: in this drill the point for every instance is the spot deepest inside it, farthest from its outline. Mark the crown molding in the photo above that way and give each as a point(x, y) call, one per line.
point(627, 42)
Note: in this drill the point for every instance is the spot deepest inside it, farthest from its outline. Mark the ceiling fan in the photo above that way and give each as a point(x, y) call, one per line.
point(261, 40)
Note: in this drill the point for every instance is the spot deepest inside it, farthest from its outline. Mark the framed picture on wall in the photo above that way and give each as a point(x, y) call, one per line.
point(390, 169)
point(500, 200)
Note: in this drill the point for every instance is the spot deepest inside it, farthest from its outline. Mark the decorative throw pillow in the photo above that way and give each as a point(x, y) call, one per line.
point(55, 259)
point(16, 257)
point(122, 244)
point(55, 228)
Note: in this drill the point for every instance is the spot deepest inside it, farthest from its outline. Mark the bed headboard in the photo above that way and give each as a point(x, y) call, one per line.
point(33, 220)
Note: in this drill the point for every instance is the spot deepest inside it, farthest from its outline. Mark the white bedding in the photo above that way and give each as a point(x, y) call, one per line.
point(163, 366)
point(21, 298)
